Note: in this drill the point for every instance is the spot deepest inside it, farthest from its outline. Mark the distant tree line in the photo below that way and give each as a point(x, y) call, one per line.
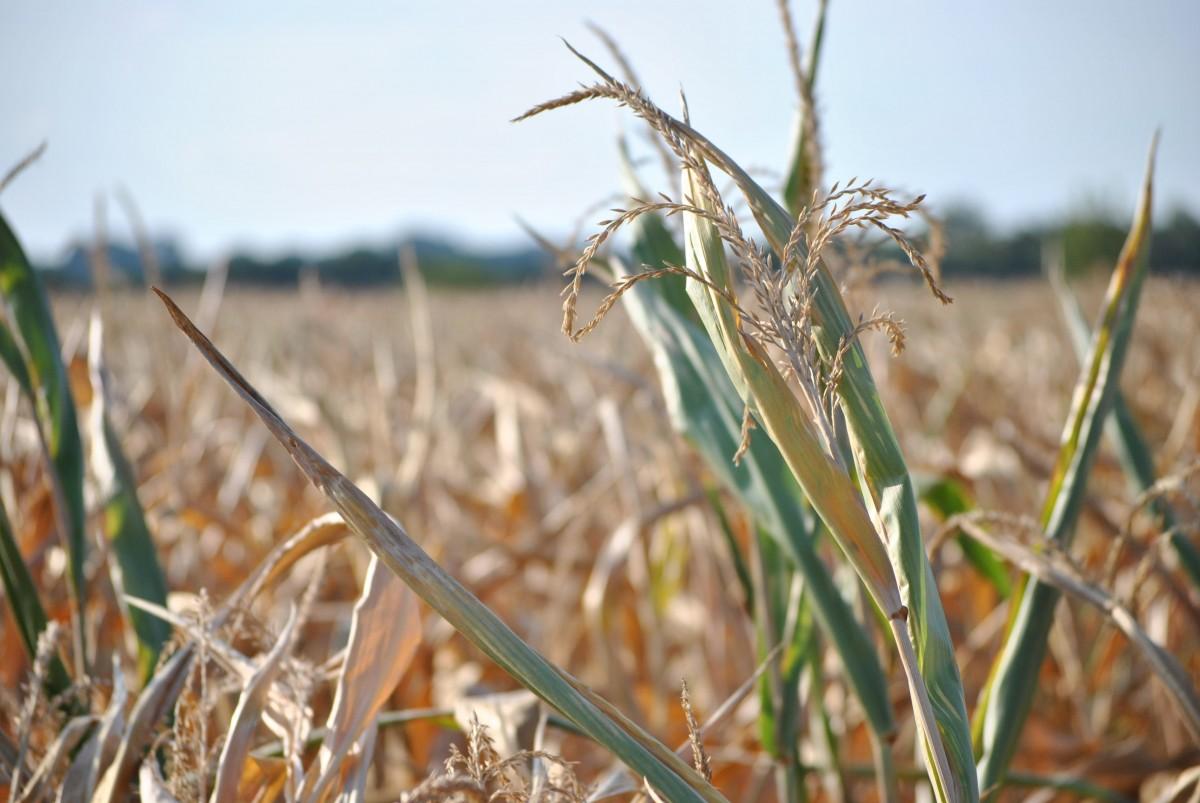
point(1084, 242)
point(440, 261)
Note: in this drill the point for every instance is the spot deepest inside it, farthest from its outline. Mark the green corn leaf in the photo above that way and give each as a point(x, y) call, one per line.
point(641, 752)
point(136, 571)
point(802, 175)
point(948, 498)
point(820, 721)
point(26, 606)
point(736, 556)
point(1126, 436)
point(654, 244)
point(773, 576)
point(10, 354)
point(55, 411)
point(1009, 693)
point(783, 619)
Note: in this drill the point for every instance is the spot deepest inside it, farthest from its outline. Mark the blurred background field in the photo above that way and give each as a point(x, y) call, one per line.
point(539, 452)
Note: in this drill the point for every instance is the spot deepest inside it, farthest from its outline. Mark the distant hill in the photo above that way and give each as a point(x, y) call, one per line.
point(125, 263)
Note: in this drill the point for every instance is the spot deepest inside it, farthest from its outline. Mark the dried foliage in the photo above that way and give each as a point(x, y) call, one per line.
point(518, 499)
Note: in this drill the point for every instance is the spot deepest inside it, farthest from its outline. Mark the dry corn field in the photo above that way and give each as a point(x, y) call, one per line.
point(765, 525)
point(543, 475)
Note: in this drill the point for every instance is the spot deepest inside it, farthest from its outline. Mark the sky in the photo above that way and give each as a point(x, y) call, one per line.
point(288, 124)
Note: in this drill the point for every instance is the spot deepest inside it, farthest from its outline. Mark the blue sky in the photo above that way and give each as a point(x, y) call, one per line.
point(270, 125)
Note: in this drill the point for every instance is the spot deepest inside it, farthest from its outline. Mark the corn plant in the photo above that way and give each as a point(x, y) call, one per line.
point(802, 488)
point(795, 363)
point(873, 523)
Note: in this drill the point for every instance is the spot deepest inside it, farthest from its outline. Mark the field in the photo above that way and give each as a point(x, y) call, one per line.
point(783, 517)
point(544, 475)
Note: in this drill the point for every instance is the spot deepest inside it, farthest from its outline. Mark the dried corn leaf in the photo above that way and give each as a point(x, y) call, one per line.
point(251, 702)
point(384, 634)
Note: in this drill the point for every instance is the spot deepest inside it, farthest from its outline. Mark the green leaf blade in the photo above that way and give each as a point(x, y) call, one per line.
point(948, 498)
point(1009, 695)
point(55, 410)
point(26, 605)
point(1126, 436)
point(137, 572)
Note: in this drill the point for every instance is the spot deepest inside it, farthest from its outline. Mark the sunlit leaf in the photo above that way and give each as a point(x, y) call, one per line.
point(1013, 681)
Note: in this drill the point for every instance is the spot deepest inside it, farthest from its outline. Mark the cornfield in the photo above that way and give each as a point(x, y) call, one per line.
point(766, 524)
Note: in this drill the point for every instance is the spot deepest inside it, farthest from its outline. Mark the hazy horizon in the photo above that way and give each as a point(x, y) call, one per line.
point(281, 127)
